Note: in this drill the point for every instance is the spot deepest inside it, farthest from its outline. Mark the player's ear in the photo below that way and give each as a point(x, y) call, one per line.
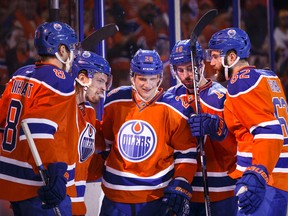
point(82, 77)
point(62, 49)
point(232, 56)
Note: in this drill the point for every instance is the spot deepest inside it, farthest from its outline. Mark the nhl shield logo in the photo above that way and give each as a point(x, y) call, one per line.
point(86, 145)
point(137, 140)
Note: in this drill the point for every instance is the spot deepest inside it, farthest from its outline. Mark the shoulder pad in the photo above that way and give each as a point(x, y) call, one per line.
point(55, 78)
point(170, 99)
point(214, 96)
point(27, 71)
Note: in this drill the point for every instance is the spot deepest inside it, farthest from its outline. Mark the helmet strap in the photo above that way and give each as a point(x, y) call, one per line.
point(85, 87)
point(202, 73)
point(68, 62)
point(226, 67)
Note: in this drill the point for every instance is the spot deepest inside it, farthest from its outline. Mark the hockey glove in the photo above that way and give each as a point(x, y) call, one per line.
point(206, 123)
point(55, 190)
point(176, 199)
point(250, 189)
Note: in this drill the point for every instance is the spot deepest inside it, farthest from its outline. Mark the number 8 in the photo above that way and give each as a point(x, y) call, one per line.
point(11, 129)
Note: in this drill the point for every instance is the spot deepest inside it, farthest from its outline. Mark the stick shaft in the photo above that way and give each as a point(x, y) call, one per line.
point(37, 159)
point(201, 24)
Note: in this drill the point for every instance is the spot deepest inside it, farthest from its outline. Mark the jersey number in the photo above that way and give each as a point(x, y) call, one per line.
point(280, 107)
point(11, 131)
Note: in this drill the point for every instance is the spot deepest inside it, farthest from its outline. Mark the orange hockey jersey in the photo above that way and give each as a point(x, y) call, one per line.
point(43, 96)
point(86, 148)
point(220, 155)
point(256, 112)
point(151, 144)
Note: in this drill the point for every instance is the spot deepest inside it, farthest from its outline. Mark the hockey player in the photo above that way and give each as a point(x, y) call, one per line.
point(219, 145)
point(153, 154)
point(93, 78)
point(256, 112)
point(43, 95)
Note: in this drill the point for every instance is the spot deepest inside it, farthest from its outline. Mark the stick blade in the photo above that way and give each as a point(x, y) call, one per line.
point(201, 24)
point(93, 39)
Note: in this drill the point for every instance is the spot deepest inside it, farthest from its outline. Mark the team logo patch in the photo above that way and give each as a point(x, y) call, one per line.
point(136, 140)
point(231, 33)
point(86, 145)
point(274, 86)
point(86, 54)
point(57, 27)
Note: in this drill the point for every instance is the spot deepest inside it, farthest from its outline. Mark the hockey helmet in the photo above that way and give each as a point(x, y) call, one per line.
point(146, 62)
point(92, 63)
point(49, 35)
point(231, 39)
point(181, 53)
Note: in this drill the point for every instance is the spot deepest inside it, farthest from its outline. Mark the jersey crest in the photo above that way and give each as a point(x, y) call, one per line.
point(186, 100)
point(274, 85)
point(87, 142)
point(136, 140)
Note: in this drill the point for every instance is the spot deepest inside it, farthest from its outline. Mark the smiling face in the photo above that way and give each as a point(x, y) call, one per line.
point(146, 86)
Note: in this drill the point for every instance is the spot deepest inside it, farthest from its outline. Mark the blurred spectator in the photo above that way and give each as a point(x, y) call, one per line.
point(18, 55)
point(147, 30)
point(254, 15)
point(7, 9)
point(189, 15)
point(281, 41)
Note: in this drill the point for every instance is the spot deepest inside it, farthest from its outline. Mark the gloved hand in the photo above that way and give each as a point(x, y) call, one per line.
point(250, 189)
point(206, 123)
point(55, 190)
point(176, 199)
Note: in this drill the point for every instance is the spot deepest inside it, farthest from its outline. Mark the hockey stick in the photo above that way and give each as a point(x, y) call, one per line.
point(93, 39)
point(54, 11)
point(201, 24)
point(37, 159)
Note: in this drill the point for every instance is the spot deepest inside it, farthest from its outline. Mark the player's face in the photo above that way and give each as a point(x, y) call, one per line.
point(146, 86)
point(97, 88)
point(216, 64)
point(185, 74)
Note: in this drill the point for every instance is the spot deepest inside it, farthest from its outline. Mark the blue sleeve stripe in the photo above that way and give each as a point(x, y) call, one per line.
point(20, 174)
point(267, 130)
point(273, 123)
point(71, 174)
point(80, 190)
point(244, 161)
point(282, 162)
point(40, 128)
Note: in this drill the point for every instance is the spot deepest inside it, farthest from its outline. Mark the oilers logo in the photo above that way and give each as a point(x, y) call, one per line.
point(137, 140)
point(86, 144)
